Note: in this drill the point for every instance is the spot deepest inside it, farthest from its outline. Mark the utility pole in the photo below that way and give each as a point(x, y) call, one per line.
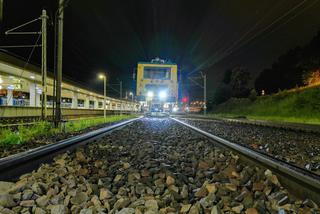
point(1, 10)
point(44, 18)
point(59, 63)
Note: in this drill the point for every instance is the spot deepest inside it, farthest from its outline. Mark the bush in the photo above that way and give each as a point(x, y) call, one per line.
point(297, 106)
point(253, 95)
point(45, 129)
point(222, 94)
point(8, 137)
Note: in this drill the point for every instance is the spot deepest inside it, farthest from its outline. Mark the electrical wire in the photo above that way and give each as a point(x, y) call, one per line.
point(231, 50)
point(240, 44)
point(293, 17)
point(27, 62)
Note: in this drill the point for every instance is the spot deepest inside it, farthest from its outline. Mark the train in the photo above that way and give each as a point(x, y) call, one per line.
point(157, 85)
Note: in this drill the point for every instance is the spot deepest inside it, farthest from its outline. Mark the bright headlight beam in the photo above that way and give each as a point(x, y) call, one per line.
point(162, 94)
point(150, 94)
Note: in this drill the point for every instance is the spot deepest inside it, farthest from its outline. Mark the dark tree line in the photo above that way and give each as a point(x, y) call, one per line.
point(291, 69)
point(297, 67)
point(234, 84)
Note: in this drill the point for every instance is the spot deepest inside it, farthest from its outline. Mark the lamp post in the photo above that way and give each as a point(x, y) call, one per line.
point(131, 94)
point(104, 78)
point(204, 76)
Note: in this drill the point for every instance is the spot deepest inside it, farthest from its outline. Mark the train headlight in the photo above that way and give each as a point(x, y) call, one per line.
point(162, 95)
point(150, 94)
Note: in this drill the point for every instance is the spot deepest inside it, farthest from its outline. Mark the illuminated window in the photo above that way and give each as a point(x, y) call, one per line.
point(157, 73)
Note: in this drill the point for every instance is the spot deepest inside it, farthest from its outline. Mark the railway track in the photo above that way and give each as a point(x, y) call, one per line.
point(13, 166)
point(301, 148)
point(158, 156)
point(312, 128)
point(15, 121)
point(291, 175)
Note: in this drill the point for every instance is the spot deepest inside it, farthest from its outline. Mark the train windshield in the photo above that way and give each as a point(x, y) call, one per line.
point(161, 73)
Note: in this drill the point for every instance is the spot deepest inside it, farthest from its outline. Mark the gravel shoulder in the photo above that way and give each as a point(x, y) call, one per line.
point(296, 147)
point(151, 166)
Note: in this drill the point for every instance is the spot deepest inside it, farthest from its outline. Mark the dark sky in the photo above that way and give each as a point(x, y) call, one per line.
point(207, 35)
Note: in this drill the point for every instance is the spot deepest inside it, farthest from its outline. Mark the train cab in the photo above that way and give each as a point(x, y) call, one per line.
point(157, 85)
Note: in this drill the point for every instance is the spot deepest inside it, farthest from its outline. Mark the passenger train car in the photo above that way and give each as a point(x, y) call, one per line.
point(157, 85)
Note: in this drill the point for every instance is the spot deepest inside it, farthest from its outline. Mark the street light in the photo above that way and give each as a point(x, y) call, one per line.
point(132, 104)
point(104, 78)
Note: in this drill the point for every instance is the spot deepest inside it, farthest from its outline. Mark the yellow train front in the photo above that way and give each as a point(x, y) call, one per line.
point(157, 85)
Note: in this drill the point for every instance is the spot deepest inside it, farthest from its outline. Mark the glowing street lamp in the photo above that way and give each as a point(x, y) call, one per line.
point(131, 94)
point(104, 78)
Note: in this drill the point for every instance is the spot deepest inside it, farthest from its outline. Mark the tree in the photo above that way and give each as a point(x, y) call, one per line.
point(284, 73)
point(239, 83)
point(221, 94)
point(253, 95)
point(291, 69)
point(311, 77)
point(227, 76)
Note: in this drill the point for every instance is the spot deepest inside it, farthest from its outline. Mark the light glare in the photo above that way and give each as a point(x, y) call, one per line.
point(163, 94)
point(150, 94)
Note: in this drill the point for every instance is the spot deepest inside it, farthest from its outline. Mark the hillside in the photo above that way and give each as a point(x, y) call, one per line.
point(299, 105)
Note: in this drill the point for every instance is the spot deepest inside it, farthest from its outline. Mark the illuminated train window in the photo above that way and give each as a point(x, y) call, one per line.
point(157, 73)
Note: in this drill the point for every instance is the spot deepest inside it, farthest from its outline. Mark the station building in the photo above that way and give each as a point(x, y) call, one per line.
point(21, 89)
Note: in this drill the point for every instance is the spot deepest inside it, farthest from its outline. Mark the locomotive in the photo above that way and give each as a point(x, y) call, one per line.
point(157, 85)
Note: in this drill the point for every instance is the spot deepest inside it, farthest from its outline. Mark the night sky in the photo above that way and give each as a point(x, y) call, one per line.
point(204, 35)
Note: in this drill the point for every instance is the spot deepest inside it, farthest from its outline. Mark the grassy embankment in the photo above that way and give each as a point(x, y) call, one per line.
point(45, 129)
point(300, 105)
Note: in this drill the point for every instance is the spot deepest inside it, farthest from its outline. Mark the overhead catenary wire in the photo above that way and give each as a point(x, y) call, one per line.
point(229, 50)
point(241, 44)
point(28, 60)
point(247, 32)
point(293, 17)
point(8, 32)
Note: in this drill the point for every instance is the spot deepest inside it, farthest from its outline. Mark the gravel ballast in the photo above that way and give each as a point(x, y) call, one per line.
point(300, 148)
point(151, 166)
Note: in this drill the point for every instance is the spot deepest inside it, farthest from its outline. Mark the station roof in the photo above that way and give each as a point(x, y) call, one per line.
point(19, 62)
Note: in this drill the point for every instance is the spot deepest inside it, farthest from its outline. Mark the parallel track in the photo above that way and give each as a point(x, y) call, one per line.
point(312, 128)
point(302, 182)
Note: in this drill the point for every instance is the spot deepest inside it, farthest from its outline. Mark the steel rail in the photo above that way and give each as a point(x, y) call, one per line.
point(312, 128)
point(15, 165)
point(300, 181)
